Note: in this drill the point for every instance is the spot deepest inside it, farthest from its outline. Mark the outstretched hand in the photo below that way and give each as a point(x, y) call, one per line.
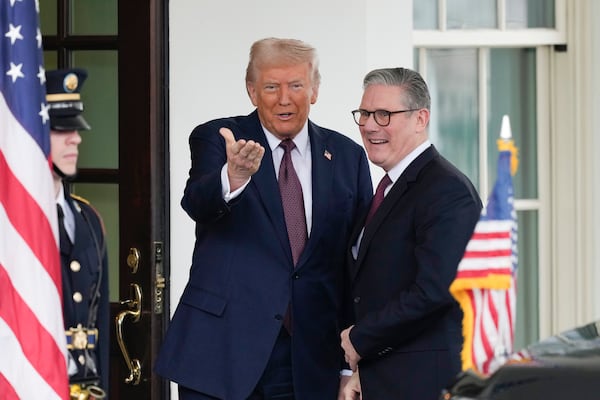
point(243, 158)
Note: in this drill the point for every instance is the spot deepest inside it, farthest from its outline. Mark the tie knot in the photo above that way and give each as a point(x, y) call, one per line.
point(287, 145)
point(384, 183)
point(378, 197)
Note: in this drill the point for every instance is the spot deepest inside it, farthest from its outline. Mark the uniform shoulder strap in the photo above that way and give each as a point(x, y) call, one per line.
point(91, 207)
point(81, 199)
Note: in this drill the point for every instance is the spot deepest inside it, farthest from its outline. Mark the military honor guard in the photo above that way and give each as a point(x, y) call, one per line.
point(82, 244)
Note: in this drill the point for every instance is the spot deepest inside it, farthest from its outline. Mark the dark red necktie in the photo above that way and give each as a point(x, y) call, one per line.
point(293, 210)
point(378, 198)
point(293, 201)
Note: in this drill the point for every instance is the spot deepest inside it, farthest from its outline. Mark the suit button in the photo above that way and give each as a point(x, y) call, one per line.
point(278, 317)
point(357, 299)
point(296, 276)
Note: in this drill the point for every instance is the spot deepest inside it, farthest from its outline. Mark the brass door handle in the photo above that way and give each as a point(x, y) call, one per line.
point(135, 312)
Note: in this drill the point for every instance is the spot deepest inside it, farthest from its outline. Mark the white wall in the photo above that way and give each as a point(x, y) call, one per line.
point(208, 50)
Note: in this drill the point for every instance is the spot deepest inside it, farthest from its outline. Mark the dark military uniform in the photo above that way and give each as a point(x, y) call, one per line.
point(84, 260)
point(85, 296)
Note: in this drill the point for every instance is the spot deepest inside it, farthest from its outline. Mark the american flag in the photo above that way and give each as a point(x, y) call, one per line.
point(32, 339)
point(485, 284)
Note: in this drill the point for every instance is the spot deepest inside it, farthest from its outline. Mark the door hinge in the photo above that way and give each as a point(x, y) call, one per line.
point(159, 283)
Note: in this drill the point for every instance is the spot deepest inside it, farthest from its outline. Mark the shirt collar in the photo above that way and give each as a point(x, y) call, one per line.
point(60, 198)
point(300, 140)
point(397, 170)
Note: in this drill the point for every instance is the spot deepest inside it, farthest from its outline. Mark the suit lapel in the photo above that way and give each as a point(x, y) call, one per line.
point(322, 159)
point(264, 181)
point(400, 187)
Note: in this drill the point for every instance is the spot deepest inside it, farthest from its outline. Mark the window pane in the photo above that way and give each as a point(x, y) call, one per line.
point(529, 14)
point(512, 92)
point(527, 324)
point(93, 17)
point(453, 128)
point(100, 146)
point(50, 60)
point(48, 17)
point(105, 199)
point(416, 59)
point(425, 14)
point(471, 14)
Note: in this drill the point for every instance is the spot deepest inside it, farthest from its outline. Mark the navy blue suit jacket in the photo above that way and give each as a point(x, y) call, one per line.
point(407, 325)
point(242, 275)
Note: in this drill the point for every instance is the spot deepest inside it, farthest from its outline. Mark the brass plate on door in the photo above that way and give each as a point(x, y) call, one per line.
point(133, 259)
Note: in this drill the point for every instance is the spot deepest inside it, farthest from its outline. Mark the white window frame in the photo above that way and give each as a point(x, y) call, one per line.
point(542, 40)
point(500, 37)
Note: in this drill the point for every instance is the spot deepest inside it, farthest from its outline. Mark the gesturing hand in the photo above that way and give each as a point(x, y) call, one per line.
point(243, 158)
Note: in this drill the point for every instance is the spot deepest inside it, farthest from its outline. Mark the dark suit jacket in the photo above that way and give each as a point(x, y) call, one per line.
point(89, 252)
point(407, 325)
point(242, 276)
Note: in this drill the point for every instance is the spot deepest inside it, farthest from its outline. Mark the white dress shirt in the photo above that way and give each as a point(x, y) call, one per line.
point(69, 217)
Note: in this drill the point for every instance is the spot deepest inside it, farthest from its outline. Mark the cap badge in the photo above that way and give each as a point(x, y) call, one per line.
point(70, 83)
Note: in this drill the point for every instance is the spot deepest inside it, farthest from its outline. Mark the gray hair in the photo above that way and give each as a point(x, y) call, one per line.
point(274, 52)
point(415, 92)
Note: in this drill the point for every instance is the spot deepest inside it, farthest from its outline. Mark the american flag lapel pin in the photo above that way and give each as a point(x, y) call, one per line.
point(327, 155)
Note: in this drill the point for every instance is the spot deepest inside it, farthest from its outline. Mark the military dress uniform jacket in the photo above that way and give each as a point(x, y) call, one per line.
point(83, 268)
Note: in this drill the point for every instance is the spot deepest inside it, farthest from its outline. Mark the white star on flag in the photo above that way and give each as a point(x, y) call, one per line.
point(15, 72)
point(14, 33)
point(42, 75)
point(44, 112)
point(38, 37)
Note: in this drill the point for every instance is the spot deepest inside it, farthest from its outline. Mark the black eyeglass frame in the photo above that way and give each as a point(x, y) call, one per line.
point(357, 114)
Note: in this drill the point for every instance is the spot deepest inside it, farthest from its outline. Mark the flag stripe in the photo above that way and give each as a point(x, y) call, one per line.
point(489, 253)
point(483, 274)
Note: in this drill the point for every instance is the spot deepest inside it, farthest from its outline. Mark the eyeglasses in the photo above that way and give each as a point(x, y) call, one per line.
point(382, 117)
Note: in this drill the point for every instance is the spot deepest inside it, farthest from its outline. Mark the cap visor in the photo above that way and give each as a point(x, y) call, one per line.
point(69, 123)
